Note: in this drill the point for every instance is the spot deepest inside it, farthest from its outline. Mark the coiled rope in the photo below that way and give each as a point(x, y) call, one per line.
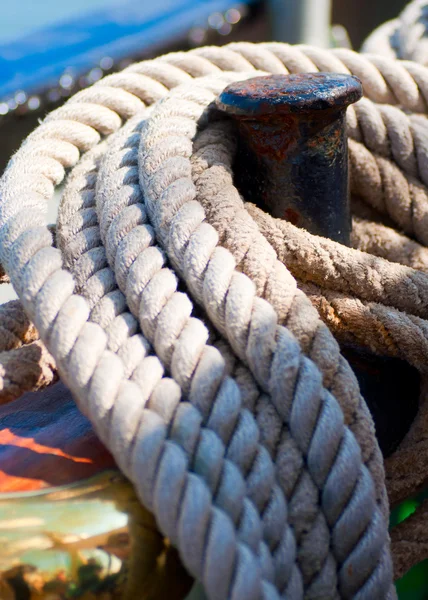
point(403, 37)
point(175, 314)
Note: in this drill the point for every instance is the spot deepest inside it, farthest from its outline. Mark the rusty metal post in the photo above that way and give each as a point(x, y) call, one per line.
point(292, 156)
point(292, 161)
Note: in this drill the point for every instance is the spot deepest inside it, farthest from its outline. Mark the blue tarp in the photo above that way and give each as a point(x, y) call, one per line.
point(115, 29)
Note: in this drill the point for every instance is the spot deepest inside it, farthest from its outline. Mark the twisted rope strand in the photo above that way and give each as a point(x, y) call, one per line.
point(125, 253)
point(25, 369)
point(411, 540)
point(403, 37)
point(16, 329)
point(156, 436)
point(244, 321)
point(69, 339)
point(377, 239)
point(66, 235)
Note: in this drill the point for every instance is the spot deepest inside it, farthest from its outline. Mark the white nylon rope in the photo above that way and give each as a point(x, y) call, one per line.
point(190, 458)
point(403, 37)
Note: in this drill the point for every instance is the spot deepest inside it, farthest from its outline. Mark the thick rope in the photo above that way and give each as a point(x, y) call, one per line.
point(15, 327)
point(411, 540)
point(165, 444)
point(110, 191)
point(406, 468)
point(221, 287)
point(364, 300)
point(129, 194)
point(25, 364)
point(3, 277)
point(404, 37)
point(25, 369)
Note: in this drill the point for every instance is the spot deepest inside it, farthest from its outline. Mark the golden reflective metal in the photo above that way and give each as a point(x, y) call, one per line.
point(90, 541)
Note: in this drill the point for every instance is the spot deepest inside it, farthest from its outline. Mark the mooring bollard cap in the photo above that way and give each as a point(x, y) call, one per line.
point(303, 92)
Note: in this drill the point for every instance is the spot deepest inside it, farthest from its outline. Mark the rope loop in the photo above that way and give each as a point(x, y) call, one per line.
point(185, 320)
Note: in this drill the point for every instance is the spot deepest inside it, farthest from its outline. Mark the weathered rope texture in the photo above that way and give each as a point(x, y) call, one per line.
point(176, 315)
point(410, 538)
point(403, 37)
point(25, 364)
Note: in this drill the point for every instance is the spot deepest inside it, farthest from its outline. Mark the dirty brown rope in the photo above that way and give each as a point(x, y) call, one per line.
point(364, 299)
point(410, 540)
point(25, 369)
point(25, 364)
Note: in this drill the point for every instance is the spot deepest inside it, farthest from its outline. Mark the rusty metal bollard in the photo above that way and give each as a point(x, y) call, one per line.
point(293, 149)
point(292, 161)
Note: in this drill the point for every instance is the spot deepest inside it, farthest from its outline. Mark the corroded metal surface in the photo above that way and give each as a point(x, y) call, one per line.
point(292, 155)
point(282, 94)
point(292, 161)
